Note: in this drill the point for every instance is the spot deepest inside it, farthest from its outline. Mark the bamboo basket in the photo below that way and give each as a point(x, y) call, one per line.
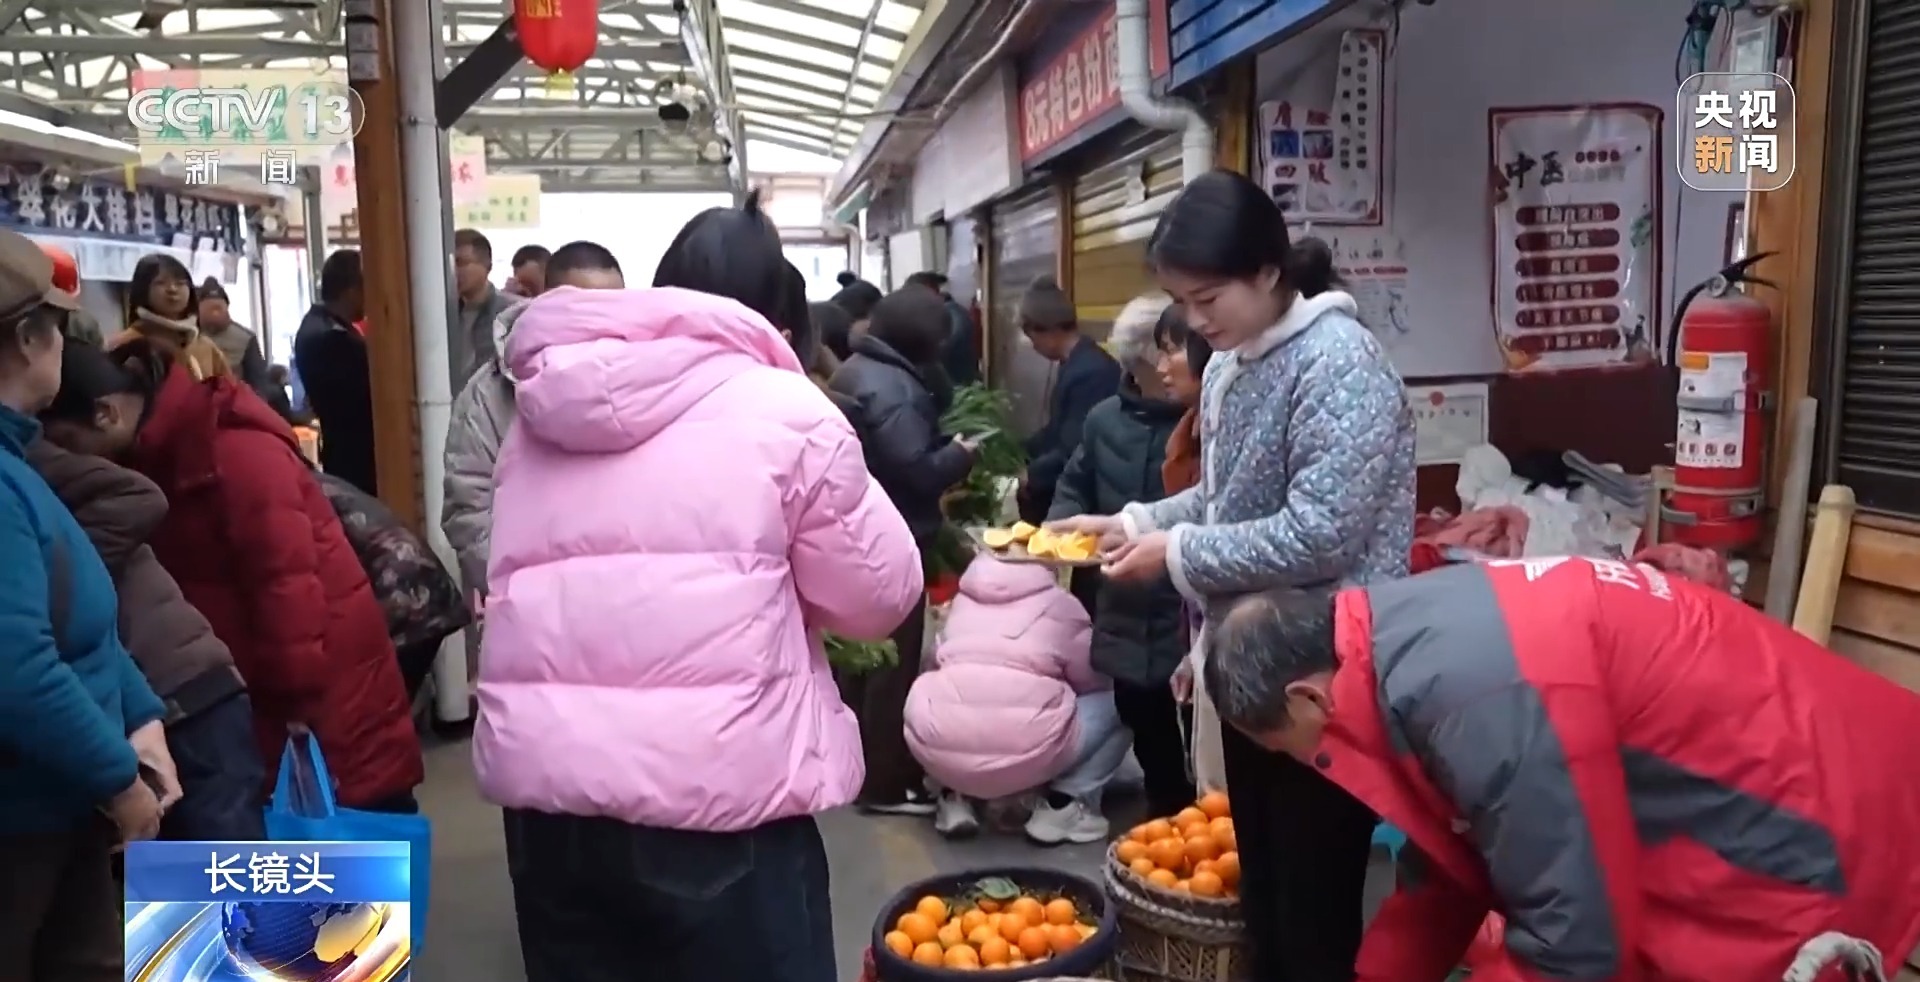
point(1173, 937)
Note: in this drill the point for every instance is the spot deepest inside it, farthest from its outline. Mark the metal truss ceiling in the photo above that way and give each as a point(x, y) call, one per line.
point(803, 75)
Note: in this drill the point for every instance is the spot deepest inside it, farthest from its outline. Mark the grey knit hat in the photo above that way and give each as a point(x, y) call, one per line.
point(1046, 306)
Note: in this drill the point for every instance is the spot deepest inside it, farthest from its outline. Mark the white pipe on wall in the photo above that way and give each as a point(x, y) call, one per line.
point(414, 27)
point(1136, 93)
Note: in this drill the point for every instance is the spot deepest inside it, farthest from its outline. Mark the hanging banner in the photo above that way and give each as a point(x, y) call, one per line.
point(1320, 144)
point(467, 166)
point(511, 201)
point(1576, 235)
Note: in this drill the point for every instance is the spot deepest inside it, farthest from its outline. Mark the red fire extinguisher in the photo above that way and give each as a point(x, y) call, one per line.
point(1723, 346)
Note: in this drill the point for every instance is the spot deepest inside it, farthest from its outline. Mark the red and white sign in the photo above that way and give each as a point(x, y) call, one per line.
point(1576, 235)
point(1080, 84)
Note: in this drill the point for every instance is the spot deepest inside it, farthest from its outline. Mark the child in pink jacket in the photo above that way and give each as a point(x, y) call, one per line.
point(1010, 705)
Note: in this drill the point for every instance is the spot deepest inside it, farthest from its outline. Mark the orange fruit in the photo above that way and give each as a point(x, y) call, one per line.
point(930, 954)
point(1011, 925)
point(1063, 938)
point(1139, 834)
point(1207, 884)
point(1225, 840)
point(1214, 804)
point(1159, 828)
point(933, 909)
point(1142, 866)
point(1060, 910)
point(979, 935)
point(961, 956)
point(1128, 851)
point(1228, 868)
point(1162, 878)
point(1188, 816)
point(1034, 943)
point(917, 927)
point(1015, 959)
point(900, 944)
point(1183, 886)
point(995, 951)
point(1029, 909)
point(950, 935)
point(1219, 825)
point(972, 920)
point(1203, 866)
point(988, 906)
point(1201, 847)
point(1168, 853)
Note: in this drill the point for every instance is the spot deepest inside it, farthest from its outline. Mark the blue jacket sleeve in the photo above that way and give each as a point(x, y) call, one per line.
point(1348, 429)
point(138, 702)
point(47, 718)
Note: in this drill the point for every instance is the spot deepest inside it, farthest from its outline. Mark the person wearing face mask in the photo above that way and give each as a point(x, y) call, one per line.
point(166, 311)
point(1553, 734)
point(1307, 480)
point(78, 722)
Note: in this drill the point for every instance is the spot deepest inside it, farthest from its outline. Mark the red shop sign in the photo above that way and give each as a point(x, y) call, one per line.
point(1082, 82)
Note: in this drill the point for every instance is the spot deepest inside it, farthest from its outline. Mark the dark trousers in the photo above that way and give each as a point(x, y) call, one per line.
point(221, 775)
point(1158, 722)
point(60, 906)
point(599, 900)
point(403, 803)
point(1304, 846)
point(879, 699)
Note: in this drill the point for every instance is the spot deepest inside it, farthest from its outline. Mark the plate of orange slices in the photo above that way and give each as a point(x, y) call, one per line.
point(1026, 543)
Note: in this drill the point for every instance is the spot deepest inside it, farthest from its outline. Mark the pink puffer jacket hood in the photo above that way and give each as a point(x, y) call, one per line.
point(678, 511)
point(994, 714)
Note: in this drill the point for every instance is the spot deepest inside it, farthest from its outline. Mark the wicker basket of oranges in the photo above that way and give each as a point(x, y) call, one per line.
point(1010, 925)
point(1176, 882)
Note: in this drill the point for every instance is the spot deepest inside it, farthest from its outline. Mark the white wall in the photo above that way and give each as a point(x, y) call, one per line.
point(1453, 61)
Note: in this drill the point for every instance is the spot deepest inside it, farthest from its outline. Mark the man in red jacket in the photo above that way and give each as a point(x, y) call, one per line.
point(1649, 779)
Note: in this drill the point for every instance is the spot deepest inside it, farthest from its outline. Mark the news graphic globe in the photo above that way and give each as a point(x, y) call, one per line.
point(296, 942)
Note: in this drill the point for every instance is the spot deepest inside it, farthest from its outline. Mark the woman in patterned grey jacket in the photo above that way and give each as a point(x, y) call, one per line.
point(1307, 481)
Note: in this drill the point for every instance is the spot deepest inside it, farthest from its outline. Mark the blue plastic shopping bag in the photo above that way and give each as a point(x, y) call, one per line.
point(303, 810)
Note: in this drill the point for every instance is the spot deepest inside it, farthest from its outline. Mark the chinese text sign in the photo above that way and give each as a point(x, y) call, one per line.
point(1576, 235)
point(1735, 132)
point(1077, 85)
point(216, 910)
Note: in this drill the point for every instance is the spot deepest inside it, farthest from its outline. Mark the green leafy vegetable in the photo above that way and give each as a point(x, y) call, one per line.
point(860, 657)
point(987, 415)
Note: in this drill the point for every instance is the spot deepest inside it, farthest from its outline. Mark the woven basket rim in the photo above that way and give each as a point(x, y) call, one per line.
point(1224, 908)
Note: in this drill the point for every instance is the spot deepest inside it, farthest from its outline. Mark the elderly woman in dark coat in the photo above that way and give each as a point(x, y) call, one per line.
point(208, 718)
point(1139, 637)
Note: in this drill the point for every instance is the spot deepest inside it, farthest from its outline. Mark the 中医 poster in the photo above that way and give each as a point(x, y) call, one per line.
point(1575, 204)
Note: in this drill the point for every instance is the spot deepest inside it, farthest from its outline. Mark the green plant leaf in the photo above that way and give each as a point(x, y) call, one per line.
point(997, 888)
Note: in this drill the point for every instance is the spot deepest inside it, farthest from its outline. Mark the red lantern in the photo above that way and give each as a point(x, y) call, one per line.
point(557, 35)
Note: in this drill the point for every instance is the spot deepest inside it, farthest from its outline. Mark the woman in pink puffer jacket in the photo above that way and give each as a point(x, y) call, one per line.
point(1010, 705)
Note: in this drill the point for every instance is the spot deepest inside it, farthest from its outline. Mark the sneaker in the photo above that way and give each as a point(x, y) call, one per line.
point(1075, 822)
point(914, 802)
point(953, 817)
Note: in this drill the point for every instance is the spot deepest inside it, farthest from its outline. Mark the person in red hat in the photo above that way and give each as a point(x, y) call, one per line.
point(81, 326)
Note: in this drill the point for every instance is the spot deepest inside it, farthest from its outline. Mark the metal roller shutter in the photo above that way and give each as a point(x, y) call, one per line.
point(1025, 244)
point(1115, 206)
point(1872, 398)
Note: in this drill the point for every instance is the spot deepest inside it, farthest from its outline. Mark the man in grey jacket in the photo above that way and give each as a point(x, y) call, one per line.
point(483, 411)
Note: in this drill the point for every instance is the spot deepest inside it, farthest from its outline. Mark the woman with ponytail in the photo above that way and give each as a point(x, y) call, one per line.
point(1306, 482)
point(678, 513)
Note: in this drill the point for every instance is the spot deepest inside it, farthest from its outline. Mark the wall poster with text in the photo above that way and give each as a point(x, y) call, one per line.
point(1321, 143)
point(1575, 209)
